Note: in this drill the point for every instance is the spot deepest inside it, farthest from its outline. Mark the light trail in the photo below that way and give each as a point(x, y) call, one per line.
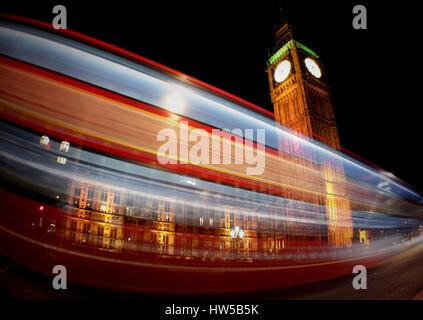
point(80, 177)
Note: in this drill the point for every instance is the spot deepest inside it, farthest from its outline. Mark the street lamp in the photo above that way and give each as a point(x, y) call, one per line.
point(237, 232)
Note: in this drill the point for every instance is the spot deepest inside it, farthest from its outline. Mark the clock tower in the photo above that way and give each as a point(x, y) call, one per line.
point(299, 94)
point(301, 101)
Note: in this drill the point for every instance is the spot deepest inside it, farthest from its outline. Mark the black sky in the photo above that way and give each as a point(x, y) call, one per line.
point(372, 73)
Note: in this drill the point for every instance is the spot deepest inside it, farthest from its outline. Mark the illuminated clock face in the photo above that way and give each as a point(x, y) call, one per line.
point(282, 71)
point(313, 67)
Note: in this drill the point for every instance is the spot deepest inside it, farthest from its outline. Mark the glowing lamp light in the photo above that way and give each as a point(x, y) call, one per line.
point(241, 234)
point(41, 208)
point(237, 232)
point(174, 100)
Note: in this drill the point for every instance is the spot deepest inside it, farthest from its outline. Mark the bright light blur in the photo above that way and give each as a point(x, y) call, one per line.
point(174, 100)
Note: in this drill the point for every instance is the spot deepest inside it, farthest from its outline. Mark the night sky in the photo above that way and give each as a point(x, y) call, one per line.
point(373, 73)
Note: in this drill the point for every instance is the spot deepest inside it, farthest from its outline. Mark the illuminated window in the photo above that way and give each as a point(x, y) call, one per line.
point(90, 193)
point(61, 160)
point(100, 231)
point(130, 201)
point(64, 146)
point(44, 141)
point(86, 228)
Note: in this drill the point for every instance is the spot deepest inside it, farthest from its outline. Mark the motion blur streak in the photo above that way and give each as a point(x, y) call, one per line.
point(80, 181)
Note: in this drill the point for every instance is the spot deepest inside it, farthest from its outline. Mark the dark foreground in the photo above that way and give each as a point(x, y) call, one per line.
point(401, 277)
